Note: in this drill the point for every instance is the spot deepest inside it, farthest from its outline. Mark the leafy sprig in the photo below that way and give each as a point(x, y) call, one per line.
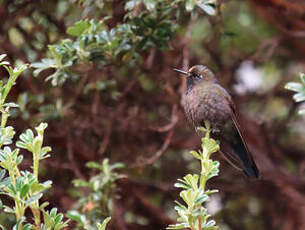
point(299, 89)
point(22, 186)
point(96, 205)
point(193, 214)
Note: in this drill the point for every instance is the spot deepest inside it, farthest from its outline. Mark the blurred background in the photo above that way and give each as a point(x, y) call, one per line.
point(102, 79)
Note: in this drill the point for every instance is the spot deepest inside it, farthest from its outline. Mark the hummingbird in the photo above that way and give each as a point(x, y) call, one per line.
point(206, 100)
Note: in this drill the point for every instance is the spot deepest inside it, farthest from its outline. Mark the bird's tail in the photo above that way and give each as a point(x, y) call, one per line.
point(249, 166)
point(236, 150)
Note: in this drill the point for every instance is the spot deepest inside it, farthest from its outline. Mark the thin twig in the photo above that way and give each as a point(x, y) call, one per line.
point(71, 159)
point(174, 120)
point(103, 146)
point(144, 162)
point(200, 223)
point(186, 52)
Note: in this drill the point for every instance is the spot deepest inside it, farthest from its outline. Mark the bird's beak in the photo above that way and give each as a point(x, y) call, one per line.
point(181, 71)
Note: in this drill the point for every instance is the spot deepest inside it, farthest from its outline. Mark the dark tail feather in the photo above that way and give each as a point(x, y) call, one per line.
point(250, 168)
point(252, 171)
point(241, 150)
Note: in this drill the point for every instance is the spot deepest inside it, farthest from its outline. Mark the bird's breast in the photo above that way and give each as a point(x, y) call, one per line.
point(207, 102)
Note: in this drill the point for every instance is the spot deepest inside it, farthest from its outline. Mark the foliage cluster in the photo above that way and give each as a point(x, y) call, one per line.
point(193, 215)
point(95, 42)
point(96, 204)
point(22, 186)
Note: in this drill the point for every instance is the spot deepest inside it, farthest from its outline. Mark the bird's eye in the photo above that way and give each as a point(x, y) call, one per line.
point(197, 76)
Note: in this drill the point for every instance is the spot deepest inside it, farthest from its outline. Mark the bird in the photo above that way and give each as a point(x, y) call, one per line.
point(206, 100)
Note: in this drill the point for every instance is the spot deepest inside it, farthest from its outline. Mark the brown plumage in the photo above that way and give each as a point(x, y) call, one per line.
point(205, 100)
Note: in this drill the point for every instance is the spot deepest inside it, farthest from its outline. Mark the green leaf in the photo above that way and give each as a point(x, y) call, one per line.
point(26, 137)
point(80, 183)
point(40, 187)
point(76, 216)
point(150, 4)
point(188, 196)
point(19, 69)
point(178, 226)
point(210, 145)
point(2, 174)
point(42, 126)
point(202, 198)
point(210, 223)
point(21, 144)
point(36, 145)
point(29, 134)
point(208, 192)
point(45, 63)
point(104, 224)
point(181, 185)
point(5, 182)
point(192, 180)
point(24, 191)
point(93, 164)
point(8, 209)
point(19, 223)
point(6, 135)
point(189, 5)
point(59, 77)
point(11, 105)
point(12, 189)
point(117, 166)
point(195, 154)
point(33, 199)
point(210, 10)
point(44, 205)
point(131, 4)
point(59, 218)
point(301, 111)
point(19, 159)
point(53, 212)
point(294, 86)
point(2, 56)
point(78, 28)
point(19, 184)
point(180, 207)
point(44, 151)
point(298, 97)
point(28, 227)
point(4, 63)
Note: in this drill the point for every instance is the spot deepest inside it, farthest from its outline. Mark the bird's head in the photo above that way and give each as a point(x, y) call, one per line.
point(198, 73)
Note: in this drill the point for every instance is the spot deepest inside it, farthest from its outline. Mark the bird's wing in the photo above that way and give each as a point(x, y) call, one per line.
point(226, 138)
point(234, 146)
